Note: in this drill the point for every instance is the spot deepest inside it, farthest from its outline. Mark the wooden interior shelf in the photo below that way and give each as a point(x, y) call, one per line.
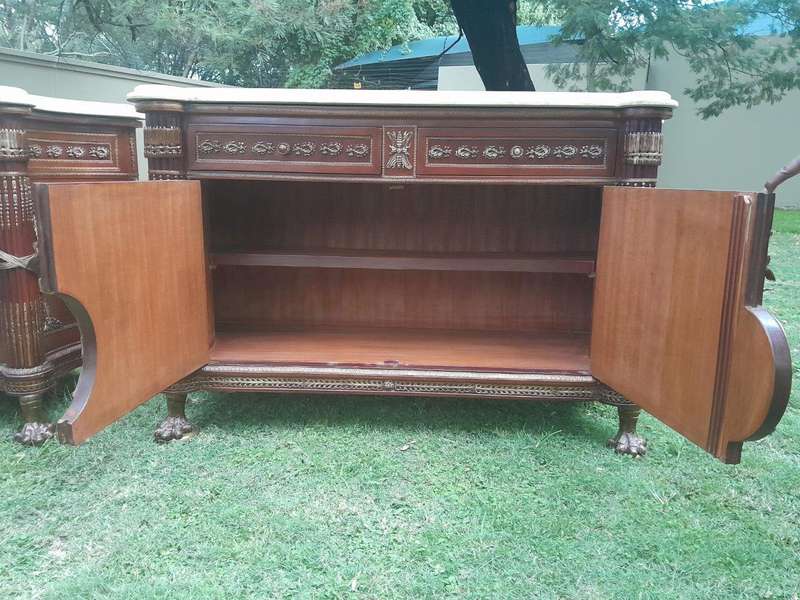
point(389, 347)
point(414, 261)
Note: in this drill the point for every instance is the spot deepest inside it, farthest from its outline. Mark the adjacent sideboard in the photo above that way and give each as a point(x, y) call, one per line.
point(47, 140)
point(469, 244)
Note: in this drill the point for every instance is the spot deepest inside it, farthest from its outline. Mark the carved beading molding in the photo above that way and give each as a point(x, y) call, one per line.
point(267, 378)
point(12, 145)
point(612, 397)
point(518, 152)
point(286, 147)
point(165, 175)
point(162, 142)
point(77, 151)
point(644, 148)
point(39, 379)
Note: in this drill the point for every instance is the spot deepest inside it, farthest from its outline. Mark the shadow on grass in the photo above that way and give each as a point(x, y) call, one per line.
point(231, 412)
point(248, 413)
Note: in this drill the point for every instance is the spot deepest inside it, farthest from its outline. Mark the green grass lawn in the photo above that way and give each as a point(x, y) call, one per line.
point(344, 497)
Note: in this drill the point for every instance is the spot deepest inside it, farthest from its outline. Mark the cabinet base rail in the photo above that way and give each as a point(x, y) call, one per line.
point(550, 387)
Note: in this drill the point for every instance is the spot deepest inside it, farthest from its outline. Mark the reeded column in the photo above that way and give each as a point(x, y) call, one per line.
point(163, 139)
point(21, 309)
point(642, 147)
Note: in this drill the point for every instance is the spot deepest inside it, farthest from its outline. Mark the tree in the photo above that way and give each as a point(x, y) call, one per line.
point(615, 38)
point(298, 42)
point(491, 29)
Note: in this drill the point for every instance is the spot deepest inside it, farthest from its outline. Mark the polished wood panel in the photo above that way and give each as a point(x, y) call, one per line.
point(135, 278)
point(476, 301)
point(671, 328)
point(414, 261)
point(662, 268)
point(385, 347)
point(254, 216)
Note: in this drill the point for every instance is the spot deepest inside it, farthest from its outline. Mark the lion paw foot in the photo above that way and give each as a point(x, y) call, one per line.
point(174, 428)
point(34, 434)
point(628, 443)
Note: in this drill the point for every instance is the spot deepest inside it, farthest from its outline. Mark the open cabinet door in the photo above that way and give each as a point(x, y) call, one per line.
point(129, 261)
point(677, 327)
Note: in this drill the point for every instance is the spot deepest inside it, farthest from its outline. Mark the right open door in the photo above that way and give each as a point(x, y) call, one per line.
point(677, 326)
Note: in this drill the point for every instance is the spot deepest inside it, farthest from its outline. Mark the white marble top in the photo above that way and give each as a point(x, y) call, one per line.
point(402, 97)
point(18, 96)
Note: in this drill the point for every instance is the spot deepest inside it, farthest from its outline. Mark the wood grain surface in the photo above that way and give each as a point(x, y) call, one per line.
point(129, 261)
point(671, 329)
point(382, 347)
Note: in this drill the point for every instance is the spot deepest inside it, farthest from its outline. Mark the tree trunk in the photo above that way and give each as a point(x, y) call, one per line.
point(491, 30)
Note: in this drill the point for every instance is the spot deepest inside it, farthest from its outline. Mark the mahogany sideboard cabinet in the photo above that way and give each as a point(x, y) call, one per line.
point(47, 140)
point(468, 244)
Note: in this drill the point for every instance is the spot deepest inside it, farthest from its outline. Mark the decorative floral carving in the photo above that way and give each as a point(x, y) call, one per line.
point(357, 150)
point(467, 151)
point(535, 152)
point(593, 151)
point(75, 151)
point(209, 146)
point(35, 150)
point(235, 147)
point(99, 152)
point(330, 148)
point(493, 152)
point(539, 151)
point(303, 149)
point(54, 151)
point(263, 148)
point(399, 149)
point(437, 151)
point(566, 151)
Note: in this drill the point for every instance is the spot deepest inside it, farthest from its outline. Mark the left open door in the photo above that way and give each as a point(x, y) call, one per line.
point(129, 261)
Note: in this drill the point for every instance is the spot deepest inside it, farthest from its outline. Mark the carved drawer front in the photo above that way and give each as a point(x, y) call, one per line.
point(285, 149)
point(507, 152)
point(102, 154)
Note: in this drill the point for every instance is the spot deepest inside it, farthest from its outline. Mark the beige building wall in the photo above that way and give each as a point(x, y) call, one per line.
point(738, 150)
point(80, 80)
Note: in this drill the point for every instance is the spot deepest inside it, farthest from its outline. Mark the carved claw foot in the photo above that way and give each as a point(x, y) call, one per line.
point(628, 443)
point(36, 430)
point(176, 426)
point(173, 428)
point(34, 434)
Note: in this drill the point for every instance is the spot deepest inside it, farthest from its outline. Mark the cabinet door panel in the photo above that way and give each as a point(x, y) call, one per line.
point(672, 330)
point(129, 261)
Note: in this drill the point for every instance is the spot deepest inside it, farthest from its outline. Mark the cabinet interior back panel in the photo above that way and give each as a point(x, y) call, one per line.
point(253, 216)
point(524, 302)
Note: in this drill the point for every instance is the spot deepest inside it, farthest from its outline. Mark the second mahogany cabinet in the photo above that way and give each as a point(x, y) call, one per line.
point(499, 245)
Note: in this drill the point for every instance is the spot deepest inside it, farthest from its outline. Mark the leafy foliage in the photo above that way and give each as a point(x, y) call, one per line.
point(732, 66)
point(237, 42)
point(298, 42)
